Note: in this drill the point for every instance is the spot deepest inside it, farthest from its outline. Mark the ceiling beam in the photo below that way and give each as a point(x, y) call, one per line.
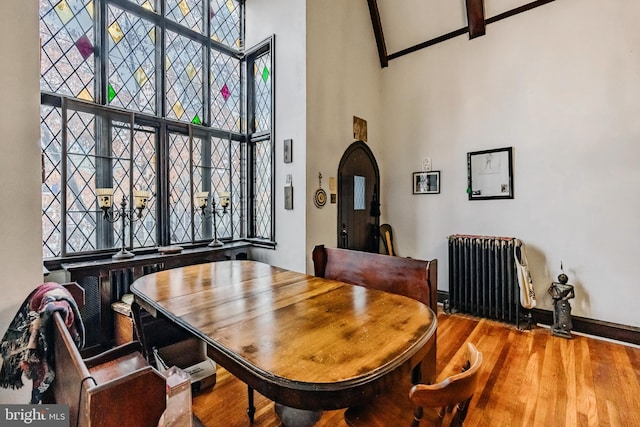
point(524, 8)
point(475, 18)
point(377, 31)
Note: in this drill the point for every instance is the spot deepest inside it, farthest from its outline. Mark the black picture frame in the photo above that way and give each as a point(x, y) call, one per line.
point(426, 182)
point(490, 174)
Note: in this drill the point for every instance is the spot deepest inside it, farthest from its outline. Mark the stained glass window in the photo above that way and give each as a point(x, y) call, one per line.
point(263, 189)
point(184, 78)
point(262, 91)
point(225, 91)
point(132, 91)
point(186, 12)
point(179, 188)
point(51, 144)
point(144, 178)
point(224, 22)
point(67, 37)
point(132, 67)
point(80, 182)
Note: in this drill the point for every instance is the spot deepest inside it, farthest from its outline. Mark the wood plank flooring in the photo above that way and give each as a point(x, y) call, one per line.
point(529, 378)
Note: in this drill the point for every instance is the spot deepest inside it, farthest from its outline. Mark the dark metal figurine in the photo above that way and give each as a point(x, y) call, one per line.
point(561, 292)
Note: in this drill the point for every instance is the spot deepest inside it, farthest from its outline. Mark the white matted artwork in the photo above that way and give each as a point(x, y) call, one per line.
point(490, 174)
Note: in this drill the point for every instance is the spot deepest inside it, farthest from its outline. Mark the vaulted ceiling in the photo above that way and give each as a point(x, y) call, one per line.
point(403, 27)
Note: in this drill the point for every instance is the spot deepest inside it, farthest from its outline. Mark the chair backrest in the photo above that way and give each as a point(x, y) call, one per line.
point(386, 234)
point(456, 389)
point(413, 278)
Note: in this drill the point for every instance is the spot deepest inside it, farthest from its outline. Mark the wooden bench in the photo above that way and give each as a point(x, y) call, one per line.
point(409, 277)
point(115, 388)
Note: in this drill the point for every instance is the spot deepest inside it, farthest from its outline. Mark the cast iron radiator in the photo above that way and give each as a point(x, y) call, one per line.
point(482, 277)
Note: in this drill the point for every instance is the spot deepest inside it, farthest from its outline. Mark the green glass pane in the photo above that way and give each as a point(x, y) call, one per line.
point(112, 93)
point(196, 120)
point(265, 74)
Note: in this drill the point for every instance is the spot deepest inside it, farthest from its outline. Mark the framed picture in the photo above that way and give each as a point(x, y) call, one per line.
point(426, 182)
point(490, 174)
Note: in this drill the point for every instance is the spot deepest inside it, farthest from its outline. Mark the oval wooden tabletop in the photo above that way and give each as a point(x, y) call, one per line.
point(297, 330)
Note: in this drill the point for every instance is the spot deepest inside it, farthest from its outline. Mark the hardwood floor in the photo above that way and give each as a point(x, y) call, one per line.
point(529, 378)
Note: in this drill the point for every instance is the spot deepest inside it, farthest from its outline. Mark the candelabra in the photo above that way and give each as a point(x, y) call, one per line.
point(202, 199)
point(105, 201)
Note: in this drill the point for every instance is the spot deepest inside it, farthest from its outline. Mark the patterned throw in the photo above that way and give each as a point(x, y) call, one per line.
point(27, 346)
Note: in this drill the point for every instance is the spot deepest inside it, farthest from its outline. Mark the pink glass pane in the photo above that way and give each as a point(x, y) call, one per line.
point(225, 92)
point(84, 46)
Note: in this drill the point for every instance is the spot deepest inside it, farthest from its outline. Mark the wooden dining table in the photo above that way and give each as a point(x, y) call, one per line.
point(303, 341)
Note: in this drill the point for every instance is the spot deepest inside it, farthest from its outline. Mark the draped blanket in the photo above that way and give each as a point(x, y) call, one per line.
point(27, 345)
point(527, 292)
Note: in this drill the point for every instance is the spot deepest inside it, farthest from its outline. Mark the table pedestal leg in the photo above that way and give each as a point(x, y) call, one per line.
point(293, 417)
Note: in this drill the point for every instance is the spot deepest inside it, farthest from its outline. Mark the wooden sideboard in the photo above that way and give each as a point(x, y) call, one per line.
point(105, 281)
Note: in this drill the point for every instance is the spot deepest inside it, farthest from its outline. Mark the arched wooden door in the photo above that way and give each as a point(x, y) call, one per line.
point(358, 199)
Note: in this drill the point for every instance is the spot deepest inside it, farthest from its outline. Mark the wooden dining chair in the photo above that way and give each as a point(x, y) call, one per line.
point(398, 408)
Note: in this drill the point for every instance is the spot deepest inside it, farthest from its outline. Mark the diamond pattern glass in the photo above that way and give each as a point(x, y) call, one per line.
point(184, 94)
point(132, 65)
point(202, 226)
point(67, 34)
point(263, 198)
point(51, 144)
point(237, 178)
point(103, 149)
point(179, 189)
point(216, 178)
point(225, 92)
point(81, 177)
point(262, 93)
point(186, 12)
point(144, 178)
point(224, 22)
point(120, 166)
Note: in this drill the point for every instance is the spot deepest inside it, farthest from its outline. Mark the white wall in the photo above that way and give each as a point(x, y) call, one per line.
point(327, 71)
point(343, 80)
point(20, 210)
point(287, 20)
point(561, 85)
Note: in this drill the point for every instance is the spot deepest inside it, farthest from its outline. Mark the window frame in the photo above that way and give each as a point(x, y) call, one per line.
point(239, 139)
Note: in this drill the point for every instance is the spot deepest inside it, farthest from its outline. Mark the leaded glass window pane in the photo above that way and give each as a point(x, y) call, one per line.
point(81, 176)
point(179, 189)
point(220, 181)
point(186, 12)
point(119, 172)
point(147, 4)
point(51, 144)
point(184, 97)
point(236, 202)
point(262, 92)
point(144, 178)
point(132, 65)
point(199, 184)
point(224, 21)
point(263, 200)
point(225, 91)
point(67, 37)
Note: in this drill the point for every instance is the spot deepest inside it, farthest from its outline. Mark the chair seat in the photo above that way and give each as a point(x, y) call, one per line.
point(118, 367)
